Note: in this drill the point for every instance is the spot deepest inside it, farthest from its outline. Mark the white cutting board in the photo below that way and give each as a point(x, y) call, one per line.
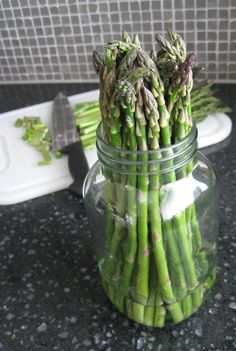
point(22, 179)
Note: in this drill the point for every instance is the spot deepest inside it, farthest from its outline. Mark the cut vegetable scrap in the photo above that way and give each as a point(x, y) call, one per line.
point(87, 117)
point(37, 135)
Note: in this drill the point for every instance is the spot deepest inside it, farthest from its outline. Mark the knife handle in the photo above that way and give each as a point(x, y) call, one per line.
point(78, 166)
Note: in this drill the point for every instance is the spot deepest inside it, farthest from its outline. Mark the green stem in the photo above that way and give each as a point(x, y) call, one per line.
point(131, 210)
point(175, 261)
point(142, 285)
point(187, 306)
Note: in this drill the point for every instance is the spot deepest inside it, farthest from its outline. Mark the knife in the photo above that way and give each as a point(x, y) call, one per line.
point(65, 137)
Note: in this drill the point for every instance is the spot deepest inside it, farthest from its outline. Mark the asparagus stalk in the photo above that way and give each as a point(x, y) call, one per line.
point(115, 132)
point(127, 104)
point(142, 197)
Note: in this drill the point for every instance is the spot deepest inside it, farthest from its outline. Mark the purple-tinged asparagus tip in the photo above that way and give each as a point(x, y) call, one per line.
point(190, 61)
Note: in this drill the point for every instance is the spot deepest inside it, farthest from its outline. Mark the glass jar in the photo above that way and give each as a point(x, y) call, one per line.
point(154, 218)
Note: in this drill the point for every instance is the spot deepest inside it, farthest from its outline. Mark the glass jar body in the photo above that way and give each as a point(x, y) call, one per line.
point(155, 230)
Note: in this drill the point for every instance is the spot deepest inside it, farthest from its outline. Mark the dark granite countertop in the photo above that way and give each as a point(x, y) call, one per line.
point(50, 294)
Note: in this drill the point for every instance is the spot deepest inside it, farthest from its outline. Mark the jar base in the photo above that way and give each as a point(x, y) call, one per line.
point(160, 315)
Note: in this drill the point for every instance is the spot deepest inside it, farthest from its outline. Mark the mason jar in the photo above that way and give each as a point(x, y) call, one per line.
point(153, 217)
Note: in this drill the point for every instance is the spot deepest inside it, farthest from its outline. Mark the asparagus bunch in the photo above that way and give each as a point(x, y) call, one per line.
point(87, 117)
point(204, 101)
point(153, 266)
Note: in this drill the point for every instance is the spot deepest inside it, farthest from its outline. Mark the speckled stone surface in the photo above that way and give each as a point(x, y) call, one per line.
point(50, 294)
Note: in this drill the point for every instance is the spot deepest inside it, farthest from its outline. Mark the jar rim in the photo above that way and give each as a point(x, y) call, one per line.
point(134, 162)
point(188, 140)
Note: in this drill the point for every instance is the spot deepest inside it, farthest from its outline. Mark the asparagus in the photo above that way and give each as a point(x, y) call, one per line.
point(167, 68)
point(142, 198)
point(183, 125)
point(178, 222)
point(192, 223)
point(145, 104)
point(38, 136)
point(178, 43)
point(156, 231)
point(126, 92)
point(120, 196)
point(87, 117)
point(171, 50)
point(152, 115)
point(182, 84)
point(204, 101)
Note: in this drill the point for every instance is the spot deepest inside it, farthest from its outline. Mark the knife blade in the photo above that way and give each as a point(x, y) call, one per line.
point(65, 137)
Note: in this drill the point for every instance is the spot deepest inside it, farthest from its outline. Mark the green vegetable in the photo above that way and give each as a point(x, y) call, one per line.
point(18, 123)
point(204, 101)
point(37, 135)
point(87, 117)
point(58, 154)
point(145, 104)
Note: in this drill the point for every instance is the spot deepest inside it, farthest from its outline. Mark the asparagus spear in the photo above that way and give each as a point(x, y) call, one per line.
point(173, 53)
point(178, 43)
point(142, 197)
